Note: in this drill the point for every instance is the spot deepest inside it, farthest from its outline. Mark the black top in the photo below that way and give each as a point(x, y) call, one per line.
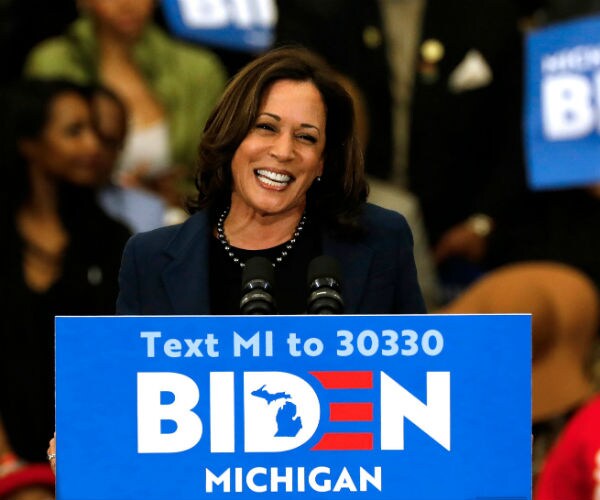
point(290, 275)
point(88, 286)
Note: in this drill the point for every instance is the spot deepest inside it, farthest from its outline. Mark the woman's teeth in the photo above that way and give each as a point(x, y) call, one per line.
point(273, 178)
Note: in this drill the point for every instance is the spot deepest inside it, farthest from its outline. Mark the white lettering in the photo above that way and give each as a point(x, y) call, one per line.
point(344, 481)
point(222, 412)
point(372, 479)
point(323, 487)
point(250, 479)
point(173, 347)
point(577, 59)
point(254, 343)
point(301, 480)
point(212, 479)
point(239, 483)
point(150, 336)
point(214, 14)
point(432, 418)
point(151, 413)
point(567, 107)
point(293, 342)
point(320, 479)
point(287, 478)
point(204, 14)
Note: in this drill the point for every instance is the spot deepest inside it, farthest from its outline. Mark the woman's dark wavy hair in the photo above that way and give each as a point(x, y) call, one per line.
point(25, 109)
point(337, 199)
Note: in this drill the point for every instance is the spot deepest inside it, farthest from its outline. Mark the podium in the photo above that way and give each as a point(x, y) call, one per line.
point(423, 407)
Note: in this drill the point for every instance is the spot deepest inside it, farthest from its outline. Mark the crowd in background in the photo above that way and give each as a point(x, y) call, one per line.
point(101, 117)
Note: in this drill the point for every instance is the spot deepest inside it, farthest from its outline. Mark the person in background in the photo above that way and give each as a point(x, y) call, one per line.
point(280, 176)
point(20, 480)
point(552, 224)
point(442, 86)
point(138, 209)
point(572, 467)
point(168, 87)
point(61, 254)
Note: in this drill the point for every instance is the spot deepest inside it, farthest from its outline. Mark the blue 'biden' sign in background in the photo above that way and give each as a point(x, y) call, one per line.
point(390, 407)
point(563, 105)
point(245, 25)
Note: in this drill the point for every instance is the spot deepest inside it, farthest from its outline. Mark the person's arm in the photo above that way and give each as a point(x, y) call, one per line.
point(571, 468)
point(20, 480)
point(52, 453)
point(468, 239)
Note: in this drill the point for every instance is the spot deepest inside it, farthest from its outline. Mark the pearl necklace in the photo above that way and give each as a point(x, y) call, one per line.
point(227, 247)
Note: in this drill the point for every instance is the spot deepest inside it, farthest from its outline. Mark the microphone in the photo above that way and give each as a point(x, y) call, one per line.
point(324, 286)
point(258, 277)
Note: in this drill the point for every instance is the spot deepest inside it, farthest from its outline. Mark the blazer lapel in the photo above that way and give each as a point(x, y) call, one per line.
point(186, 276)
point(355, 260)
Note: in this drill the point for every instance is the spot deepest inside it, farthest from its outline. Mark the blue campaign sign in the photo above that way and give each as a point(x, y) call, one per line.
point(244, 25)
point(562, 106)
point(389, 407)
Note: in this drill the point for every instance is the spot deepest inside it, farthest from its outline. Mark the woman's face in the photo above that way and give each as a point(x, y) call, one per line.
point(282, 154)
point(124, 18)
point(66, 148)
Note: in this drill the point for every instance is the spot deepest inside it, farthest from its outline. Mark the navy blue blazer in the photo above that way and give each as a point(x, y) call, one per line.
point(166, 271)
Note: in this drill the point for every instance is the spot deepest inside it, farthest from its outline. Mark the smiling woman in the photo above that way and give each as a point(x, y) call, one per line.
point(280, 176)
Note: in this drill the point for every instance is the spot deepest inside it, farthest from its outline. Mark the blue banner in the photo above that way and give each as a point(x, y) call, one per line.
point(390, 407)
point(562, 108)
point(244, 25)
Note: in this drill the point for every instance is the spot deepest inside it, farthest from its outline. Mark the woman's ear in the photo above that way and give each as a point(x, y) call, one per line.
point(321, 163)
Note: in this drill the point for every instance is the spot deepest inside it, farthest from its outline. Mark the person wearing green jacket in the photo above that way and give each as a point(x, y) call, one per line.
point(169, 87)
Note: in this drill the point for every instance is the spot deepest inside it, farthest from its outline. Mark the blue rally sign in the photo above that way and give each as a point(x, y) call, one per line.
point(244, 25)
point(390, 407)
point(562, 110)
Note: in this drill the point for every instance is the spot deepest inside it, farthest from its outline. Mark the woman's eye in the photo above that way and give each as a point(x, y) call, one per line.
point(265, 126)
point(308, 138)
point(74, 129)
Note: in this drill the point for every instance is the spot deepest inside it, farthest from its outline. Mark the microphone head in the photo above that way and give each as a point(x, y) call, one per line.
point(258, 268)
point(258, 277)
point(322, 268)
point(324, 279)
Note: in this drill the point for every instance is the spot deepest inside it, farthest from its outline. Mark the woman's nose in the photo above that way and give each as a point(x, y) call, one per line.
point(283, 147)
point(91, 142)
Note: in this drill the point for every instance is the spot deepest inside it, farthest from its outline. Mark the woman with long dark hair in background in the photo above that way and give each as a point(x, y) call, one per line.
point(61, 254)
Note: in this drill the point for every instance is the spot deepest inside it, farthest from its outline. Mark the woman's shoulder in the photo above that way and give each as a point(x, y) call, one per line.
point(58, 57)
point(376, 218)
point(384, 229)
point(47, 58)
